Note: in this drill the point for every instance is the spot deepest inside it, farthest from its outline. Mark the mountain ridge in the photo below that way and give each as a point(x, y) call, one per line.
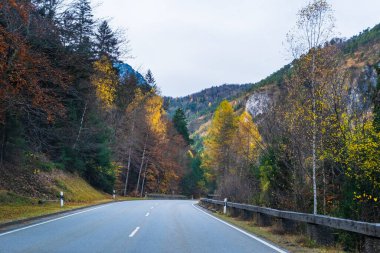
point(200, 115)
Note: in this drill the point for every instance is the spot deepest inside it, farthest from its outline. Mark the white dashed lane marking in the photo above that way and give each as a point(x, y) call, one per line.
point(134, 232)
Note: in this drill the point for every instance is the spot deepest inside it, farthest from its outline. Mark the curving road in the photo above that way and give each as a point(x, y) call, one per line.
point(133, 226)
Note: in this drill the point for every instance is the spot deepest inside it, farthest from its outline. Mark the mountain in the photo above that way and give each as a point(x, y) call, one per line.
point(125, 69)
point(361, 52)
point(198, 107)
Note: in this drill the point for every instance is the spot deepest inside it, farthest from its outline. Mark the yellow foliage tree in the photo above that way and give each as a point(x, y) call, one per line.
point(247, 141)
point(218, 142)
point(105, 81)
point(154, 115)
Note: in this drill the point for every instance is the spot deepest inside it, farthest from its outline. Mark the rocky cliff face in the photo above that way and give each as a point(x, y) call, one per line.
point(362, 88)
point(258, 103)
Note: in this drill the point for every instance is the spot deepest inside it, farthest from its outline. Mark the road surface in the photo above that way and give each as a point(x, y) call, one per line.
point(133, 226)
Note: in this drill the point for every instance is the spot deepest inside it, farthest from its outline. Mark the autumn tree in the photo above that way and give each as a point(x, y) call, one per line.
point(247, 144)
point(105, 81)
point(30, 82)
point(217, 155)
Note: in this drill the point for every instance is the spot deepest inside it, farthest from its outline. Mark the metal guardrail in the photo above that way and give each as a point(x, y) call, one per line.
point(365, 228)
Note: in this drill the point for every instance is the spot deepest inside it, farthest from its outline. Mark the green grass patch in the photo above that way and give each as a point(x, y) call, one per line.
point(7, 197)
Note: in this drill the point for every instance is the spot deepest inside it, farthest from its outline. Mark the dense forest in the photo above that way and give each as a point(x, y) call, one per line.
point(66, 104)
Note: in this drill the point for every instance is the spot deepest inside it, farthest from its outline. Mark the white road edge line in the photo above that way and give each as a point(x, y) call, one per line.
point(45, 222)
point(134, 232)
point(147, 214)
point(242, 231)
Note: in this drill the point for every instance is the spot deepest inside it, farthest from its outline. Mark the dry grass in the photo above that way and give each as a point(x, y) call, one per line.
point(293, 243)
point(75, 188)
point(32, 208)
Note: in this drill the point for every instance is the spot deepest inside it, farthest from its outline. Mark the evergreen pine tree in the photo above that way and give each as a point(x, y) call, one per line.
point(179, 121)
point(106, 42)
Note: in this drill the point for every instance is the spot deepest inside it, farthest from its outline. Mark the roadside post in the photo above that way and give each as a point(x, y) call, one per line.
point(225, 206)
point(113, 195)
point(61, 199)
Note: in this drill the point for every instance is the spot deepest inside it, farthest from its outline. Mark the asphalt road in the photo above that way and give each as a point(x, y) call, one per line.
point(134, 226)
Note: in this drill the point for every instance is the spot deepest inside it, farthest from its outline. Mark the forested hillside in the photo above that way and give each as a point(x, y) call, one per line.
point(68, 103)
point(313, 143)
point(198, 107)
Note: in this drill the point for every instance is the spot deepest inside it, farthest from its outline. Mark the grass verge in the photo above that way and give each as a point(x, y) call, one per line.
point(30, 208)
point(77, 192)
point(291, 242)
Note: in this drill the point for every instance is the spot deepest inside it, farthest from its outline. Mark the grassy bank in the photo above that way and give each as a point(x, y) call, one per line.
point(291, 242)
point(18, 211)
point(78, 193)
point(22, 208)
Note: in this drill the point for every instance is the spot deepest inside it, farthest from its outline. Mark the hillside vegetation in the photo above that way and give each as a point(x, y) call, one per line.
point(70, 108)
point(198, 107)
point(360, 50)
point(42, 196)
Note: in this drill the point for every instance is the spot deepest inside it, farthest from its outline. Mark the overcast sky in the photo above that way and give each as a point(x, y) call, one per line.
point(194, 44)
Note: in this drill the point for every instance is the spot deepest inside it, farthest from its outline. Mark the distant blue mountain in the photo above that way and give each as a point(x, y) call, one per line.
point(126, 69)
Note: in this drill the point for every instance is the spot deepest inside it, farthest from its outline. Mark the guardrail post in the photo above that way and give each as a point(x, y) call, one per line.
point(263, 220)
point(113, 194)
point(233, 211)
point(247, 215)
point(61, 199)
point(284, 225)
point(225, 206)
point(321, 234)
point(371, 244)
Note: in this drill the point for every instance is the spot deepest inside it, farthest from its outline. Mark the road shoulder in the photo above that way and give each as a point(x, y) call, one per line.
point(285, 242)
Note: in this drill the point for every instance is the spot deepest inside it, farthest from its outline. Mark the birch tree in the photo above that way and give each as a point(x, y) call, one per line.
point(314, 27)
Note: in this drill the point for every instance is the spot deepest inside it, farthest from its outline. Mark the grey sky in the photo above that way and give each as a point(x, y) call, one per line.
point(194, 44)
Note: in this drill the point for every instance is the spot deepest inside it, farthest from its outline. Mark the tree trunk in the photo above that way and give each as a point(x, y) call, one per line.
point(142, 163)
point(129, 160)
point(143, 182)
point(81, 125)
point(314, 132)
point(128, 167)
point(3, 144)
point(324, 190)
